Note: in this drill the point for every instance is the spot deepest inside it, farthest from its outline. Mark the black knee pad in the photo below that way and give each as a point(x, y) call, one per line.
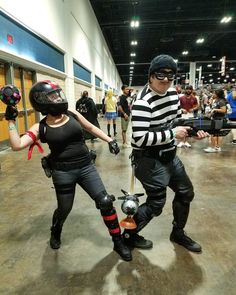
point(104, 201)
point(156, 203)
point(185, 196)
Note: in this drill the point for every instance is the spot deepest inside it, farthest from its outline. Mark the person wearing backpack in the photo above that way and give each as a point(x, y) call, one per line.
point(87, 108)
point(70, 161)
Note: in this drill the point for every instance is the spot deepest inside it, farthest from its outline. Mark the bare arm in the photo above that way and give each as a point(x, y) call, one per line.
point(18, 142)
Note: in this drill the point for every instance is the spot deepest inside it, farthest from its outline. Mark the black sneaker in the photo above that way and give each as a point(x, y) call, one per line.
point(122, 249)
point(179, 237)
point(136, 241)
point(233, 141)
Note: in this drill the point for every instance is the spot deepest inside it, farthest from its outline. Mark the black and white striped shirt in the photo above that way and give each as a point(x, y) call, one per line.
point(150, 111)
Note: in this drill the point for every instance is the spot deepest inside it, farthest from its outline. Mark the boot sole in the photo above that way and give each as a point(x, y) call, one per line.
point(124, 258)
point(139, 247)
point(191, 250)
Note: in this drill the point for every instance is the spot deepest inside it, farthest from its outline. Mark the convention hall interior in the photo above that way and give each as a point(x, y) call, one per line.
point(97, 46)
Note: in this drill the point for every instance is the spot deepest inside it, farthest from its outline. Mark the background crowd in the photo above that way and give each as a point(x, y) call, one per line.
point(206, 101)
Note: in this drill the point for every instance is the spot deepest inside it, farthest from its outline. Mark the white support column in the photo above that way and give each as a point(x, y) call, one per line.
point(192, 74)
point(93, 88)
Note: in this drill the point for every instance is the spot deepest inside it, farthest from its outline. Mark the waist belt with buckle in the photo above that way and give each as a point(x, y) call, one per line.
point(163, 155)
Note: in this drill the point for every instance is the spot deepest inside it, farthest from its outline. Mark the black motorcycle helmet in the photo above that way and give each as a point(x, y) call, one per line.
point(47, 97)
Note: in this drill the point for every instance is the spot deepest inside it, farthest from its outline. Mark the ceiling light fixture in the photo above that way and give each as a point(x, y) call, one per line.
point(132, 54)
point(226, 19)
point(185, 52)
point(134, 43)
point(200, 40)
point(134, 24)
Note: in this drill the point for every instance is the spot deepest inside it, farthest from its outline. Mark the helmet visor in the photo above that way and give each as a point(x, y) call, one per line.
point(56, 96)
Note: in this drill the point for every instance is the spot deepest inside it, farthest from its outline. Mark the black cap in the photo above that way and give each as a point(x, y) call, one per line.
point(162, 61)
point(189, 87)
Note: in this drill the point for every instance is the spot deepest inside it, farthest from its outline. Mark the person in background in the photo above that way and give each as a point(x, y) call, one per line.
point(110, 112)
point(69, 162)
point(218, 111)
point(124, 110)
point(103, 104)
point(154, 156)
point(87, 108)
point(189, 106)
point(231, 99)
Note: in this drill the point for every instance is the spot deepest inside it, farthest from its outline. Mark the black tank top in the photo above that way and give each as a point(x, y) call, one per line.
point(67, 142)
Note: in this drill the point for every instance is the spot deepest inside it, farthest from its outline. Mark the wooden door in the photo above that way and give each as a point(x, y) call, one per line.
point(3, 122)
point(20, 119)
point(27, 116)
point(31, 114)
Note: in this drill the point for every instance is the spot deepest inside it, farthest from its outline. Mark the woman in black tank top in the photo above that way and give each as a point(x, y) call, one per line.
point(69, 162)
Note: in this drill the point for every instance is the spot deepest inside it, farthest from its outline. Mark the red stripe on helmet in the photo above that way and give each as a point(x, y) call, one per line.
point(54, 85)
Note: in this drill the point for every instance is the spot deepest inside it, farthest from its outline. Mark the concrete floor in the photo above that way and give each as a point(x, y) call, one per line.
point(86, 264)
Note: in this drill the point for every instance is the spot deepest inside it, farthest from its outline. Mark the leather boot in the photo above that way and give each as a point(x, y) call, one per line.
point(179, 236)
point(121, 248)
point(55, 240)
point(136, 241)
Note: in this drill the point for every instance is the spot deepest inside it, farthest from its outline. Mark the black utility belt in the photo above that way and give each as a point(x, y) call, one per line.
point(66, 166)
point(163, 155)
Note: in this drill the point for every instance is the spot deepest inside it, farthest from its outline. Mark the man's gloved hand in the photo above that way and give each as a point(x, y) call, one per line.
point(113, 147)
point(11, 113)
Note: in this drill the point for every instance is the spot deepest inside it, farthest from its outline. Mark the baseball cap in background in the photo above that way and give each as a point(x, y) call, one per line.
point(162, 61)
point(189, 87)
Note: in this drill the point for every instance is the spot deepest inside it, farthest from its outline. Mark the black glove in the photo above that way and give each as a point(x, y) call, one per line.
point(11, 113)
point(113, 147)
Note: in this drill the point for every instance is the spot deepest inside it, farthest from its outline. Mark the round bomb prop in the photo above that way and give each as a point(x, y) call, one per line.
point(129, 206)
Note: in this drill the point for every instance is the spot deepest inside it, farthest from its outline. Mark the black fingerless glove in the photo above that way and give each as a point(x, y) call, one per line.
point(11, 113)
point(113, 147)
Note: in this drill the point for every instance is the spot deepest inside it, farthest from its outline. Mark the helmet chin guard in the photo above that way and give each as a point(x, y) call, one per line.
point(47, 97)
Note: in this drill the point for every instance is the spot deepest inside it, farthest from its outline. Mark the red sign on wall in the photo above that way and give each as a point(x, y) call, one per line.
point(9, 38)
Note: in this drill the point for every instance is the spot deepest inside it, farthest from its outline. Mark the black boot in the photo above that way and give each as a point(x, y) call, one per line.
point(178, 236)
point(108, 130)
point(121, 248)
point(136, 241)
point(55, 240)
point(114, 128)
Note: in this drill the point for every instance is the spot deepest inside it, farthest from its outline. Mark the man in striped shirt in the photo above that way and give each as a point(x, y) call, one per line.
point(154, 155)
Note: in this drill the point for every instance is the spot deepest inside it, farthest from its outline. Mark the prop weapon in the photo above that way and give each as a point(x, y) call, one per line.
point(129, 206)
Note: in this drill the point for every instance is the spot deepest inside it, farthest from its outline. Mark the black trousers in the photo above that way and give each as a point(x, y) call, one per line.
point(88, 178)
point(155, 178)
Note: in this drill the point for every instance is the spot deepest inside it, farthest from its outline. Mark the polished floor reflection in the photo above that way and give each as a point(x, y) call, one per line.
point(86, 264)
